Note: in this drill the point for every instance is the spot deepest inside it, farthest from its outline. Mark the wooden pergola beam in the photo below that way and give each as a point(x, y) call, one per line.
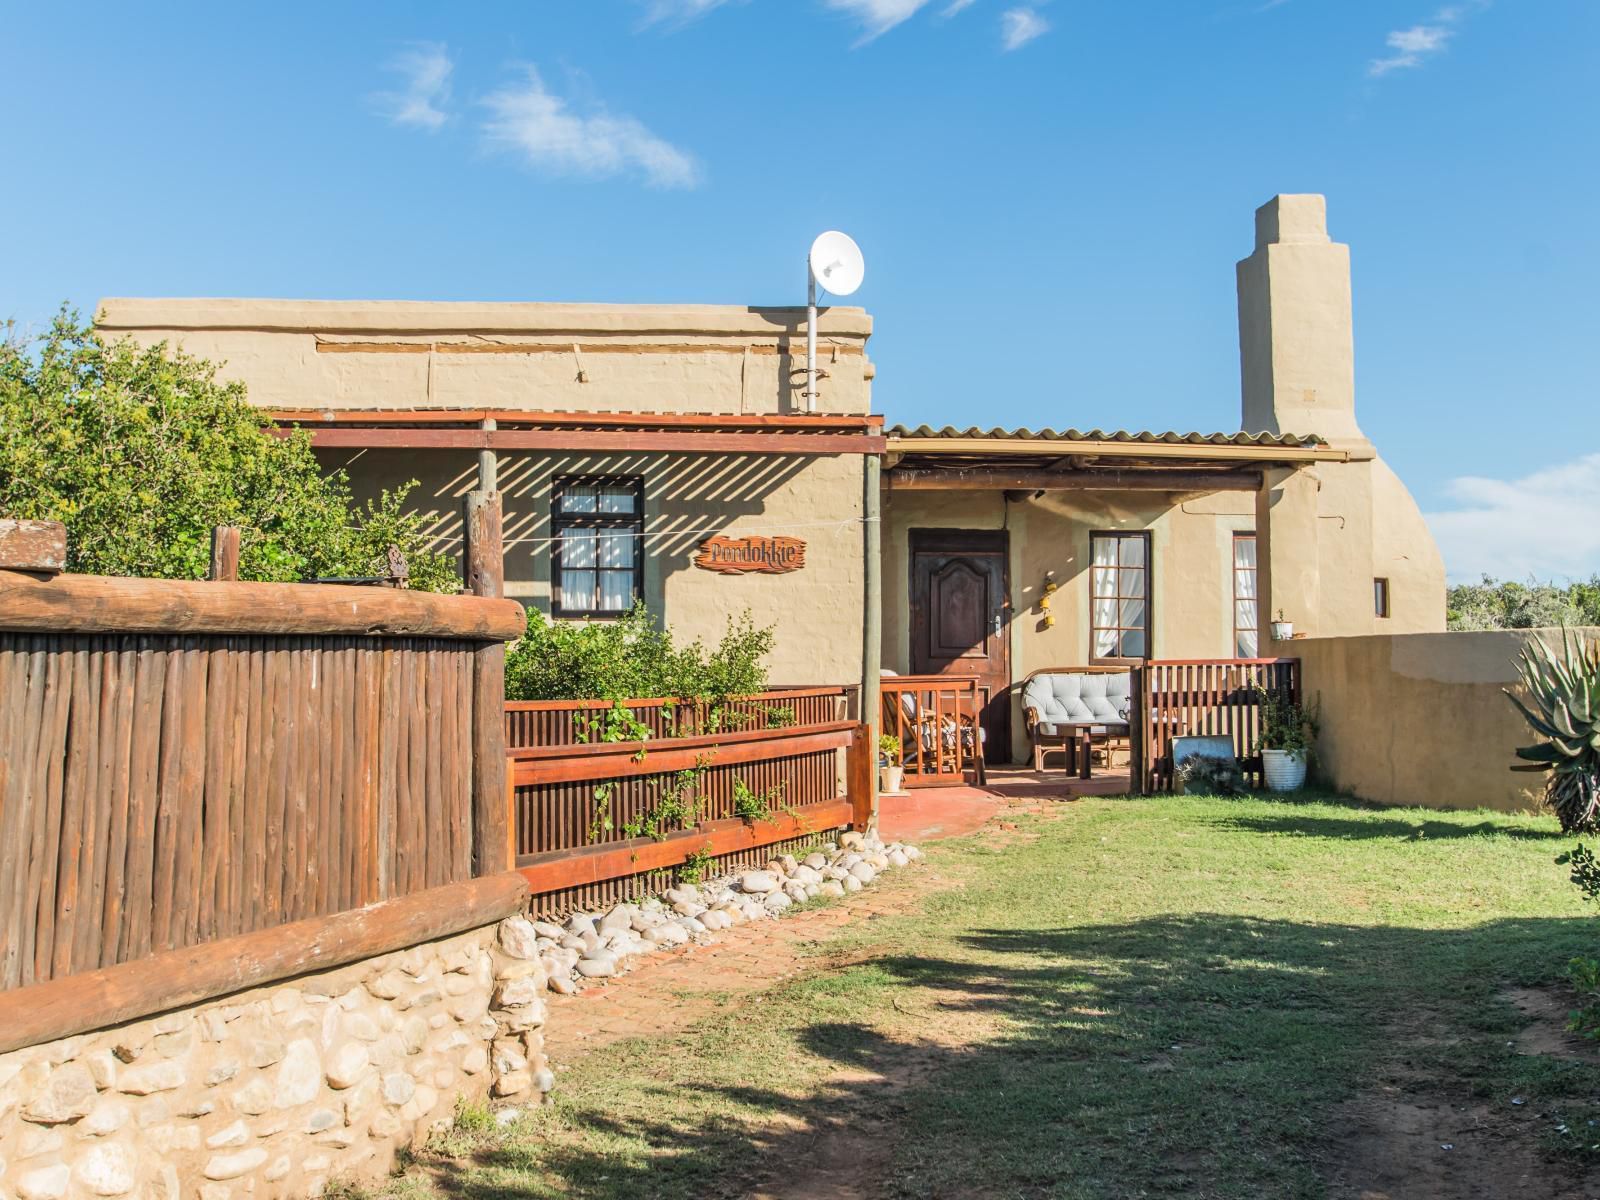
point(903, 479)
point(507, 418)
point(613, 441)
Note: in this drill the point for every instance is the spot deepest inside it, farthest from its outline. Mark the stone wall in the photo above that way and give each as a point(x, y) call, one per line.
point(279, 1090)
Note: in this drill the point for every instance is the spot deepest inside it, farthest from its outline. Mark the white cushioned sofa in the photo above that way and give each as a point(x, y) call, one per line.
point(1069, 708)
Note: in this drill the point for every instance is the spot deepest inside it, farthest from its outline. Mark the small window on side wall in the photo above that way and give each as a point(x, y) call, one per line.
point(1380, 597)
point(597, 559)
point(1119, 590)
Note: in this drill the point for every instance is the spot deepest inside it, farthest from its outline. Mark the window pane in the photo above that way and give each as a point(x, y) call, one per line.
point(577, 590)
point(1105, 643)
point(1244, 552)
point(616, 500)
point(1133, 643)
point(1244, 614)
point(578, 499)
point(1247, 644)
point(1105, 552)
point(577, 549)
point(1244, 585)
point(616, 591)
point(1105, 582)
point(1132, 551)
point(1130, 583)
point(616, 550)
point(1132, 614)
point(1105, 614)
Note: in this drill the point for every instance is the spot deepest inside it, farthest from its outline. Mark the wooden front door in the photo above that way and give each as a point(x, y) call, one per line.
point(959, 617)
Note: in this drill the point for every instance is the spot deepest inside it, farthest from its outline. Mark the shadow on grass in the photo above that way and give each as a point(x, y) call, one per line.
point(1199, 1053)
point(1390, 828)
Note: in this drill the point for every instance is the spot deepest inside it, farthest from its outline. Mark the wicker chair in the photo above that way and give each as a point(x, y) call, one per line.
point(1074, 709)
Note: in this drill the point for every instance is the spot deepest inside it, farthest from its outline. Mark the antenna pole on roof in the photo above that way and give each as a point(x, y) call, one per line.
point(810, 393)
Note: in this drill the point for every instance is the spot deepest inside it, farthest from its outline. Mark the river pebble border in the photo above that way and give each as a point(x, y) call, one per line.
point(590, 946)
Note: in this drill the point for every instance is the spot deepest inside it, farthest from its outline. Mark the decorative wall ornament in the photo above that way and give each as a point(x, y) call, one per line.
point(751, 555)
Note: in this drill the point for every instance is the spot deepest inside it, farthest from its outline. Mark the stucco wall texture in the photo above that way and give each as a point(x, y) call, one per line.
point(1422, 719)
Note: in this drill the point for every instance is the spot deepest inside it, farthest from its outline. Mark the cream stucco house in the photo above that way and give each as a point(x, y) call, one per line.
point(622, 437)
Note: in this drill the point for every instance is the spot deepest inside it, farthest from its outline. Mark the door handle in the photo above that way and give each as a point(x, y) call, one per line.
point(999, 625)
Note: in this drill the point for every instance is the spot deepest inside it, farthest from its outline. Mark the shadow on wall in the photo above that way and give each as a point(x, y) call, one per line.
point(684, 496)
point(1197, 1054)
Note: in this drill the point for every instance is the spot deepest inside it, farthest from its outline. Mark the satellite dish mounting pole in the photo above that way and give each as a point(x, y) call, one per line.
point(811, 340)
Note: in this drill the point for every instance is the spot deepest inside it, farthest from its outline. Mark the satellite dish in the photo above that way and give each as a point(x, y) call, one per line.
point(836, 263)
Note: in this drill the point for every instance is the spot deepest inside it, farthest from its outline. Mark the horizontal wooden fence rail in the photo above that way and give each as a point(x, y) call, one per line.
point(937, 721)
point(572, 806)
point(160, 790)
point(532, 723)
point(1210, 697)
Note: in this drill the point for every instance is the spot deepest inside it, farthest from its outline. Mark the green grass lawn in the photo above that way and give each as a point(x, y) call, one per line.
point(1180, 996)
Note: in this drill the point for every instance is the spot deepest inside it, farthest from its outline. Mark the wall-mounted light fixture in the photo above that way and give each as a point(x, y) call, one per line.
point(1045, 593)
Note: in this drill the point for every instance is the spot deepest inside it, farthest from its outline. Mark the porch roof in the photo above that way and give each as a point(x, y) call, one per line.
point(1021, 459)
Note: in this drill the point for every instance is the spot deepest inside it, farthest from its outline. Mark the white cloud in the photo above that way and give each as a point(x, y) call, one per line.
point(537, 125)
point(679, 12)
point(1411, 47)
point(1019, 26)
point(877, 16)
point(426, 70)
point(1545, 525)
point(956, 6)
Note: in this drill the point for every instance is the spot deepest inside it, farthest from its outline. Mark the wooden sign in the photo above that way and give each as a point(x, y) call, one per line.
point(751, 555)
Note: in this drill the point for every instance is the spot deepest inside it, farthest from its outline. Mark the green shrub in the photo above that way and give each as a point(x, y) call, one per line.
point(140, 452)
point(1497, 604)
point(1285, 725)
point(1583, 972)
point(633, 658)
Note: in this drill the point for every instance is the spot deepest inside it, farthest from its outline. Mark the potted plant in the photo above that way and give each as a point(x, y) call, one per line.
point(891, 775)
point(1287, 731)
point(1282, 631)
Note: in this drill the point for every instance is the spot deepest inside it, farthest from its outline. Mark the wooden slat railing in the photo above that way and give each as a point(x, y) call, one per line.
point(1214, 697)
point(531, 723)
point(182, 762)
point(571, 805)
point(935, 718)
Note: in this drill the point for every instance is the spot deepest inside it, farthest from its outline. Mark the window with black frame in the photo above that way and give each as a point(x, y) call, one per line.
point(598, 555)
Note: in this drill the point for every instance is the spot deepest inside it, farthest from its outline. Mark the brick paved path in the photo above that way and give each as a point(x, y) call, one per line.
point(666, 992)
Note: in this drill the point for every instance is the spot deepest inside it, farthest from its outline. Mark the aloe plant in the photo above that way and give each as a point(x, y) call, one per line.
point(1563, 706)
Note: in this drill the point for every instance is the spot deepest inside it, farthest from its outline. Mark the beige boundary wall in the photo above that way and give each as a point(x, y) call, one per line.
point(279, 1090)
point(1420, 719)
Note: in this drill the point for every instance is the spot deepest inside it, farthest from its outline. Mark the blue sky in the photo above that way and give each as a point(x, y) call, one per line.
point(1051, 196)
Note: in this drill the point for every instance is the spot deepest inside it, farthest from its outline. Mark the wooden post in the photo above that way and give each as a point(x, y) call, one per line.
point(483, 567)
point(860, 758)
point(224, 554)
point(872, 619)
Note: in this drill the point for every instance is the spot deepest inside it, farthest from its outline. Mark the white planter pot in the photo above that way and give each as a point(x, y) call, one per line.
point(1285, 769)
point(1282, 631)
point(891, 779)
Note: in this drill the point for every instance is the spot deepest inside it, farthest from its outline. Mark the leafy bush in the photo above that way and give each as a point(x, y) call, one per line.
point(1563, 708)
point(1285, 725)
point(139, 453)
point(633, 658)
point(1494, 604)
point(1210, 775)
point(1583, 972)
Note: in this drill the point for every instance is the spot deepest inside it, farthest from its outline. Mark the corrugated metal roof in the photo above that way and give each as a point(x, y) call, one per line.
point(1284, 440)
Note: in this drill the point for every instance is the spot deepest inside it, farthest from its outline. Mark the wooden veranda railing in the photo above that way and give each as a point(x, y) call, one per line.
point(589, 821)
point(1212, 697)
point(532, 723)
point(936, 720)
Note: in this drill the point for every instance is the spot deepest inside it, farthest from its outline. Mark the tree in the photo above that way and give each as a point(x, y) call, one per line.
point(139, 452)
point(1493, 604)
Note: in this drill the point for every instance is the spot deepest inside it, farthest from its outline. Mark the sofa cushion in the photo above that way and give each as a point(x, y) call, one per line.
point(1077, 698)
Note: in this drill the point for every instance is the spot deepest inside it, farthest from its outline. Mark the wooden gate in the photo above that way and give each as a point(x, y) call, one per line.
point(1214, 697)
